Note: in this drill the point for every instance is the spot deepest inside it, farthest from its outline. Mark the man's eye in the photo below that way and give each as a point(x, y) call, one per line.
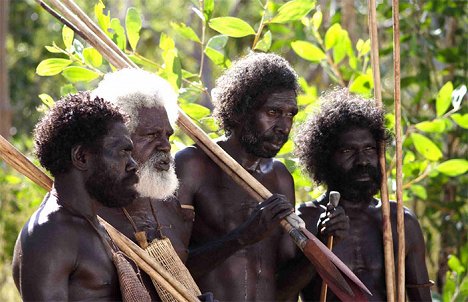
point(345, 150)
point(370, 149)
point(272, 112)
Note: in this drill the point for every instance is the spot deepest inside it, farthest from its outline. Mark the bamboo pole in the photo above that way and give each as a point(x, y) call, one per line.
point(230, 166)
point(23, 165)
point(399, 155)
point(386, 222)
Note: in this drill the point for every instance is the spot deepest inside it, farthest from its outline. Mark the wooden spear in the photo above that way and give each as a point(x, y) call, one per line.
point(386, 223)
point(399, 155)
point(292, 224)
point(22, 164)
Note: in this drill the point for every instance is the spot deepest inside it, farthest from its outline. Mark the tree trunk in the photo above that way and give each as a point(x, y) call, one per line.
point(5, 108)
point(348, 18)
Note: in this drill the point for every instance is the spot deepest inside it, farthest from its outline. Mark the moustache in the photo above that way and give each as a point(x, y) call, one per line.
point(374, 173)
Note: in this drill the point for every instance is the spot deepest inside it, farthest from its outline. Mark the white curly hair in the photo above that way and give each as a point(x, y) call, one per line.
point(132, 88)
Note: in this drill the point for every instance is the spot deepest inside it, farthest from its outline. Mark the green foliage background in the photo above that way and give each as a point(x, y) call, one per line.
point(191, 42)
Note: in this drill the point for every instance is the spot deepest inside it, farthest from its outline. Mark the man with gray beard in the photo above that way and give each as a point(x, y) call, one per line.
point(150, 102)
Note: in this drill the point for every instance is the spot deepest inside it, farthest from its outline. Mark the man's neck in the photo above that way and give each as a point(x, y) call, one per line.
point(71, 193)
point(248, 161)
point(354, 204)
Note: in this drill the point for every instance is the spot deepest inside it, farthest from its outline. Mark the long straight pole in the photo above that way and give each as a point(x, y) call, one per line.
point(399, 155)
point(386, 222)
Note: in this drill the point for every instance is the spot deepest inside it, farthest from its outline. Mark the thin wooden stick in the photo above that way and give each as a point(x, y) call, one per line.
point(19, 162)
point(386, 222)
point(399, 155)
point(11, 155)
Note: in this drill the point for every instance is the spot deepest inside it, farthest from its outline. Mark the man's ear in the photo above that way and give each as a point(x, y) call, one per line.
point(80, 157)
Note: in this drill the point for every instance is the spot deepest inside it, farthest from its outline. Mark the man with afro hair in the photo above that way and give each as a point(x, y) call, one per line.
point(63, 253)
point(237, 244)
point(339, 147)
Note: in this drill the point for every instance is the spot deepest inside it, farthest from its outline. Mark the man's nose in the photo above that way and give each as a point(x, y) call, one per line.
point(163, 145)
point(363, 159)
point(283, 125)
point(131, 165)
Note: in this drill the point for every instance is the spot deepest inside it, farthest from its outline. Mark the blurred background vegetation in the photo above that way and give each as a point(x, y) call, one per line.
point(191, 42)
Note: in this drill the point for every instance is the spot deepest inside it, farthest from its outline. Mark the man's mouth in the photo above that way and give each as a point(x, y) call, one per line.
point(163, 164)
point(363, 177)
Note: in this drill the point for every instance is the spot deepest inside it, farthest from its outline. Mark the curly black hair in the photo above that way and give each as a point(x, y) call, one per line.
point(236, 91)
point(75, 119)
point(340, 110)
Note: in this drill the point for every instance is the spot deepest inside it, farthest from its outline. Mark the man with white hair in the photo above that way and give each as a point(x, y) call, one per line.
point(150, 103)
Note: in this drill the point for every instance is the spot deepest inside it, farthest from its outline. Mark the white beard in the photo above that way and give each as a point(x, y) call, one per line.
point(157, 184)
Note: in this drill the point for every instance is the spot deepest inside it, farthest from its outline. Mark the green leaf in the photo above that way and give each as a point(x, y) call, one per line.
point(455, 265)
point(231, 26)
point(362, 84)
point(317, 19)
point(47, 100)
point(443, 99)
point(426, 147)
point(50, 67)
point(342, 47)
point(293, 10)
point(362, 47)
point(133, 26)
point(453, 167)
point(308, 51)
point(67, 89)
point(103, 20)
point(287, 148)
point(92, 57)
point(79, 74)
point(208, 8)
point(119, 36)
point(435, 126)
point(332, 35)
point(67, 36)
point(217, 57)
point(265, 43)
point(185, 31)
point(166, 42)
point(53, 49)
point(461, 120)
point(419, 191)
point(195, 111)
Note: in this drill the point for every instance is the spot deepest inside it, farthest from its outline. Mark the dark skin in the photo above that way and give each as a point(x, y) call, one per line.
point(237, 244)
point(58, 255)
point(152, 135)
point(362, 249)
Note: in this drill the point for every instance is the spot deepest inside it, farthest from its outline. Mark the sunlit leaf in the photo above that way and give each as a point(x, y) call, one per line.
point(419, 191)
point(460, 119)
point(47, 100)
point(287, 148)
point(435, 126)
point(443, 99)
point(426, 147)
point(79, 74)
point(342, 47)
point(67, 36)
point(308, 51)
point(68, 89)
point(361, 84)
point(199, 13)
point(92, 57)
point(265, 43)
point(453, 167)
point(332, 35)
point(231, 26)
point(317, 19)
point(53, 49)
point(185, 31)
point(119, 36)
point(166, 42)
point(50, 67)
point(208, 8)
point(217, 42)
point(133, 26)
point(195, 111)
point(293, 10)
point(455, 265)
point(216, 56)
point(363, 47)
point(103, 20)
